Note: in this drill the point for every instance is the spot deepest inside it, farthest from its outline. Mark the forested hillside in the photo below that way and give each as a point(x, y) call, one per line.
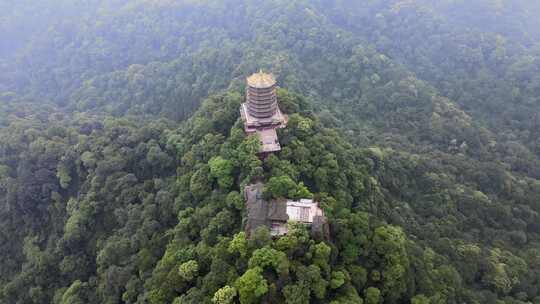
point(415, 124)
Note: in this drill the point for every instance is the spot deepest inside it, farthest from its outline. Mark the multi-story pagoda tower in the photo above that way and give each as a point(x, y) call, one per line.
point(261, 95)
point(261, 113)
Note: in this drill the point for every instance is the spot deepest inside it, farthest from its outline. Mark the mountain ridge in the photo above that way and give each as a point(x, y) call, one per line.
point(413, 126)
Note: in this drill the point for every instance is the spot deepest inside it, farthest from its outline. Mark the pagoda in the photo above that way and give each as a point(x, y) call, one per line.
point(260, 113)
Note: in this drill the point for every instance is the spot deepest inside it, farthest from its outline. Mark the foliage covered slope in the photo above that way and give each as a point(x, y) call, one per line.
point(418, 131)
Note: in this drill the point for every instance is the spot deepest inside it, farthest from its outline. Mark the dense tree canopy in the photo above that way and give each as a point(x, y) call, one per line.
point(415, 124)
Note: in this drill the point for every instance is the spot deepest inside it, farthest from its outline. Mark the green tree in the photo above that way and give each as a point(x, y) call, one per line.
point(389, 243)
point(158, 159)
point(338, 279)
point(260, 237)
point(251, 286)
point(224, 295)
point(239, 244)
point(235, 200)
point(199, 184)
point(302, 192)
point(75, 294)
point(269, 257)
point(358, 276)
point(221, 169)
point(64, 175)
point(282, 186)
point(188, 270)
point(373, 295)
point(311, 277)
point(420, 299)
point(296, 293)
point(321, 255)
point(504, 270)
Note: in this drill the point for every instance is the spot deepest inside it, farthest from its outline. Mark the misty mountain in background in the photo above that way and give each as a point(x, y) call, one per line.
point(415, 124)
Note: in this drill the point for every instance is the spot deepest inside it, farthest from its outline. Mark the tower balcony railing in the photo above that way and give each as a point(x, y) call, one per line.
point(261, 92)
point(262, 107)
point(262, 103)
point(262, 111)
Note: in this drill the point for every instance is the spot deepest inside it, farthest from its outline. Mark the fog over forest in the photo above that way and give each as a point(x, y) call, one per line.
point(130, 138)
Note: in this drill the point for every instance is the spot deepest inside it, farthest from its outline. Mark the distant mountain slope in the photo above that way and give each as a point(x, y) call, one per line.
point(416, 124)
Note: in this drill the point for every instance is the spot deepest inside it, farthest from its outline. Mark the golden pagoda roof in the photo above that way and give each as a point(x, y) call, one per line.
point(261, 80)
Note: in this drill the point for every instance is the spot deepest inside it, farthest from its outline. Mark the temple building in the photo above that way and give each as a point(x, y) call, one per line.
point(275, 214)
point(260, 112)
point(261, 115)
